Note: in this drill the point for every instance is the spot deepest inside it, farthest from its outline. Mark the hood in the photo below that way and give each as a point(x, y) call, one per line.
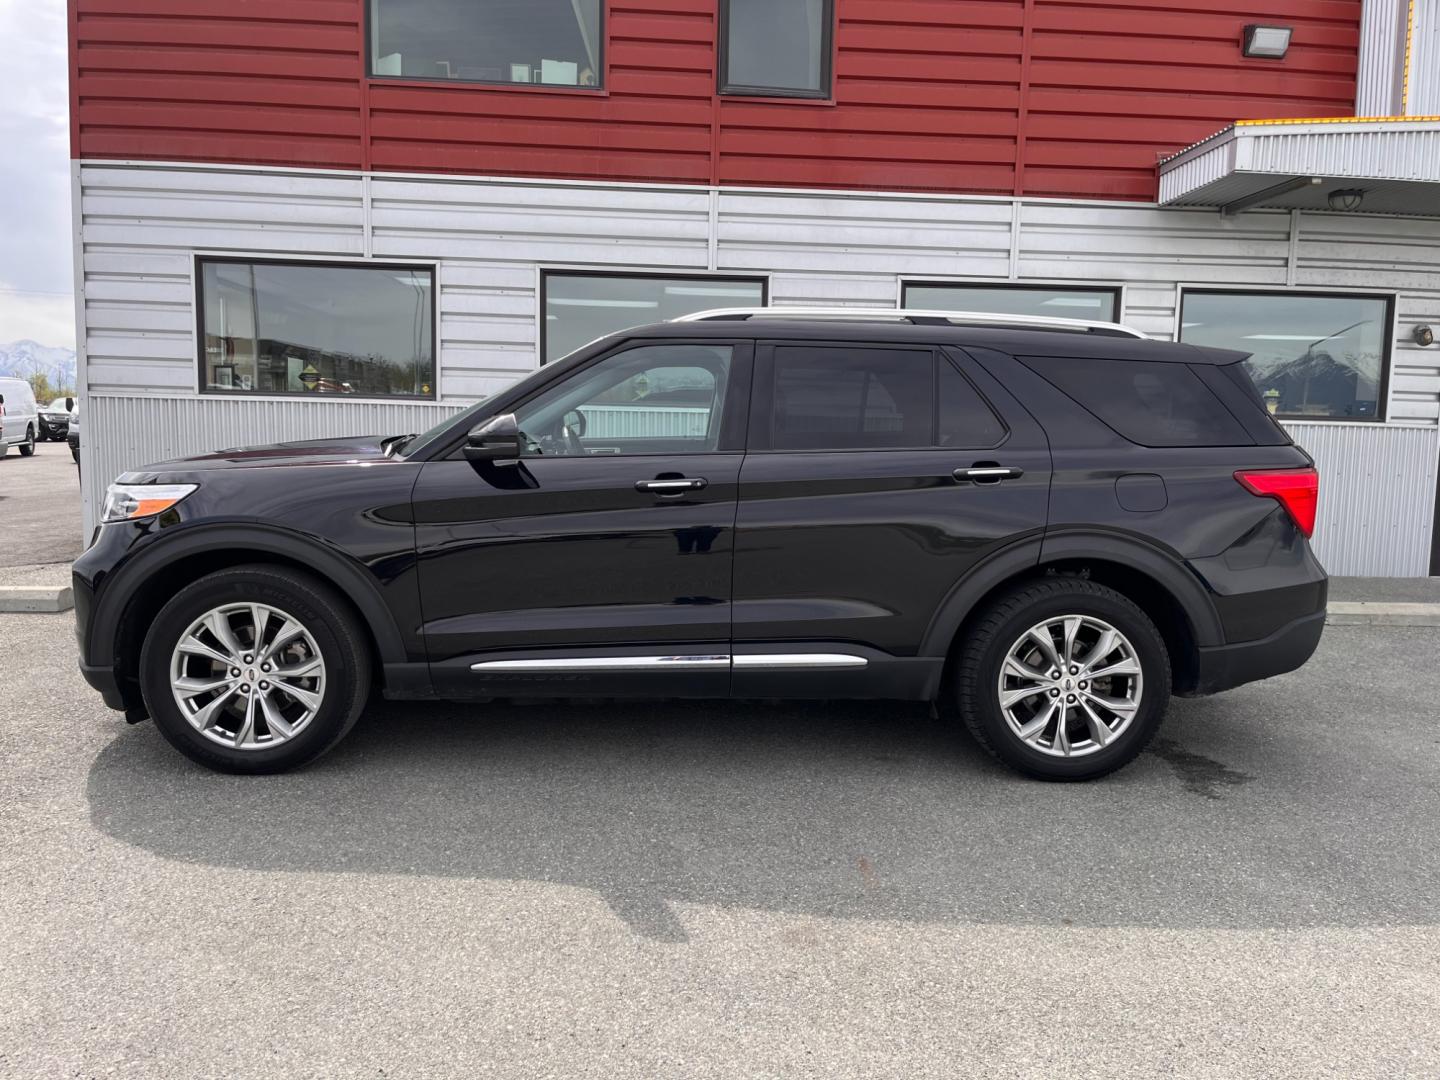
point(341, 451)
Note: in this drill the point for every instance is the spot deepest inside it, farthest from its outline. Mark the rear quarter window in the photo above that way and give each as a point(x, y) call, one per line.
point(1147, 402)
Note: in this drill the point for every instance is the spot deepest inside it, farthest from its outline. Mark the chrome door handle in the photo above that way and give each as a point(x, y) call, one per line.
point(988, 474)
point(671, 487)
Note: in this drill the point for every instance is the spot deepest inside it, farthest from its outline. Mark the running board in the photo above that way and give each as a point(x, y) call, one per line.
point(747, 662)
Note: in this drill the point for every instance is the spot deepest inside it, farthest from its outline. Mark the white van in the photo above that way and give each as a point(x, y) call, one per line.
point(19, 417)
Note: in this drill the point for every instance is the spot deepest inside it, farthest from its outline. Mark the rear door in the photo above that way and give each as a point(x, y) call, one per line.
point(876, 477)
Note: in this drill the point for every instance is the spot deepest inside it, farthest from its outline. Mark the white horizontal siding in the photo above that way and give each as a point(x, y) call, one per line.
point(142, 226)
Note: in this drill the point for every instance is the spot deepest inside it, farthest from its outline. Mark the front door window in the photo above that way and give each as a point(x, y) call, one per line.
point(655, 399)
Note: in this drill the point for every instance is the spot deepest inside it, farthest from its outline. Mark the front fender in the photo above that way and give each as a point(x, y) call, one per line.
point(113, 592)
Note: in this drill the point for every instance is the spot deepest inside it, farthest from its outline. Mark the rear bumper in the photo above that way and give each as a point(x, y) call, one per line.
point(1223, 667)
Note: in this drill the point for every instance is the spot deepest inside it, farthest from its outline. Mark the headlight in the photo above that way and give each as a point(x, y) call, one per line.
point(126, 502)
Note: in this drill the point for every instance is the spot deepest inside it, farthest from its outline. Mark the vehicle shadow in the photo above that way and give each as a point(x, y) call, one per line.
point(854, 810)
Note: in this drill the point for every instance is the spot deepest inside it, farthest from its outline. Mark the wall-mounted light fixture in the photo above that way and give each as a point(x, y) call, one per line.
point(1346, 198)
point(1267, 42)
point(1424, 336)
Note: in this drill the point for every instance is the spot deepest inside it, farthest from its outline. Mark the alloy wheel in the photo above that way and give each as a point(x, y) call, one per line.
point(1070, 686)
point(247, 676)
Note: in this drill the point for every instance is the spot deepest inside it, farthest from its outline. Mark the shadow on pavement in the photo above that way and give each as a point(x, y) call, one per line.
point(863, 811)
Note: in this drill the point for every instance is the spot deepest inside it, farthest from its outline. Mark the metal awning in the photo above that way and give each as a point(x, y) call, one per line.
point(1300, 164)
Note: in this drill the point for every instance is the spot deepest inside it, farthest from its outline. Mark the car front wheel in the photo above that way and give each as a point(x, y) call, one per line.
point(1063, 679)
point(255, 669)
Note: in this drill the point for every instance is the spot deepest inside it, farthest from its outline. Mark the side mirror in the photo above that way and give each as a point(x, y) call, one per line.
point(496, 441)
point(69, 404)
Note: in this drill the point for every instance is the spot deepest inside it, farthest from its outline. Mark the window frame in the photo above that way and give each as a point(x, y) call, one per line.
point(826, 93)
point(1115, 289)
point(761, 436)
point(1382, 389)
point(201, 259)
point(542, 292)
point(602, 62)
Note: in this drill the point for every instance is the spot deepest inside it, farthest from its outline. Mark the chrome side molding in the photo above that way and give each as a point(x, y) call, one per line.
point(618, 664)
point(790, 661)
point(605, 663)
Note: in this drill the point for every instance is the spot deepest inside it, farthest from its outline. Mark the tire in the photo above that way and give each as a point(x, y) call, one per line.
point(331, 633)
point(27, 448)
point(1088, 746)
point(75, 453)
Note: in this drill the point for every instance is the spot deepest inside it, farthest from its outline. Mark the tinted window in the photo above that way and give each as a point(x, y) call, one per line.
point(658, 399)
point(1100, 305)
point(1153, 404)
point(842, 399)
point(317, 328)
point(551, 42)
point(777, 47)
point(965, 420)
point(582, 307)
point(1311, 357)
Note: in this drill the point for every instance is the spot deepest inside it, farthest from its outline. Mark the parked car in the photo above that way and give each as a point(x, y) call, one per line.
point(55, 419)
point(72, 434)
point(1046, 527)
point(19, 418)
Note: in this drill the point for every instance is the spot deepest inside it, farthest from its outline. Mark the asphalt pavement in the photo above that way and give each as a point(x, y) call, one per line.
point(39, 507)
point(743, 890)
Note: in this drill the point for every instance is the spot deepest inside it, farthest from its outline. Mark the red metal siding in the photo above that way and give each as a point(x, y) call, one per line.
point(1030, 97)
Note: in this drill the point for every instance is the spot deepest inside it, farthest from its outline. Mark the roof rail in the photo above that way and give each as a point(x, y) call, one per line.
point(918, 317)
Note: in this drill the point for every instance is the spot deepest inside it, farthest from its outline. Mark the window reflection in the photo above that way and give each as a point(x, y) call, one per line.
point(1311, 356)
point(290, 328)
point(549, 42)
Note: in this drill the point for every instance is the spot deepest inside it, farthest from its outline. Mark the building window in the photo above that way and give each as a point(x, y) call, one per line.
point(776, 48)
point(1053, 301)
point(317, 328)
point(581, 307)
point(1313, 356)
point(549, 42)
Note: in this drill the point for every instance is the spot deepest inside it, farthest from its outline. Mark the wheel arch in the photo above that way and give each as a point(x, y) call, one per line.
point(125, 609)
point(1155, 580)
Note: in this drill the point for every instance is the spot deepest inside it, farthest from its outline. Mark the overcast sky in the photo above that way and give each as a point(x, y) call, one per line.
point(35, 256)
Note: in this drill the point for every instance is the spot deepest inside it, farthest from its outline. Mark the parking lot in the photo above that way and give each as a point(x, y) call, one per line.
point(39, 507)
point(707, 890)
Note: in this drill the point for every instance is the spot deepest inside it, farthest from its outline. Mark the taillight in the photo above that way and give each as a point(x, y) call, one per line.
point(1298, 490)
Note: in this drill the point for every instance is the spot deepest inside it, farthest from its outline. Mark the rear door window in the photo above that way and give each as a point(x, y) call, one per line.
point(1150, 403)
point(837, 398)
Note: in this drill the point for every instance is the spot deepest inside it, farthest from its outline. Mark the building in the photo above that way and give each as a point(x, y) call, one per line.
point(296, 218)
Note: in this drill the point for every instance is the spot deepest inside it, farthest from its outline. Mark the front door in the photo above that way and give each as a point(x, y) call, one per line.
point(877, 477)
point(601, 562)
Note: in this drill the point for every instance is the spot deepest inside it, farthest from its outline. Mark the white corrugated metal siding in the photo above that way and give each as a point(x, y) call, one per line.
point(1382, 57)
point(1422, 91)
point(142, 225)
point(1377, 496)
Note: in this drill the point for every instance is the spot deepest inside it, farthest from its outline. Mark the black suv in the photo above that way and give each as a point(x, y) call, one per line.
point(1047, 531)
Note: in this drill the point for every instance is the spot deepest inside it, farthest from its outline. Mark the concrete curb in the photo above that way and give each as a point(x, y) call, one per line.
point(35, 599)
point(1367, 613)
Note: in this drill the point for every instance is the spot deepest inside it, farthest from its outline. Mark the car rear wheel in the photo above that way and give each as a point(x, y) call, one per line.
point(27, 448)
point(1063, 679)
point(256, 669)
